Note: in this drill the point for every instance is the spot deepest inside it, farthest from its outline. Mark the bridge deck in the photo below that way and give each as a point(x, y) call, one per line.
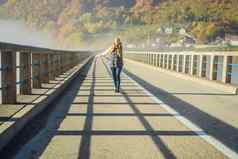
point(220, 104)
point(9, 113)
point(92, 121)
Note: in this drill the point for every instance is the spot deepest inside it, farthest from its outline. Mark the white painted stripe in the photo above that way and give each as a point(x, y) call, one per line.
point(211, 140)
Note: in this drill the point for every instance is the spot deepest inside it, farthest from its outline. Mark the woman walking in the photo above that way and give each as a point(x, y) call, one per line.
point(116, 63)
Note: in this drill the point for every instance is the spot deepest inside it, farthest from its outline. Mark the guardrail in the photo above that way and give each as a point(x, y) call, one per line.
point(217, 66)
point(28, 67)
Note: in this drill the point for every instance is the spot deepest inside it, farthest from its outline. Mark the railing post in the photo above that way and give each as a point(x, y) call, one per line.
point(75, 61)
point(200, 65)
point(211, 67)
point(151, 58)
point(163, 60)
point(177, 64)
point(146, 61)
point(8, 65)
point(172, 62)
point(36, 72)
point(71, 61)
point(65, 63)
point(226, 78)
point(51, 66)
point(148, 58)
point(215, 68)
point(55, 65)
point(156, 60)
point(144, 57)
point(25, 73)
point(58, 64)
point(19, 68)
point(167, 66)
point(184, 64)
point(61, 64)
point(234, 70)
point(68, 62)
point(168, 62)
point(191, 65)
point(195, 65)
point(45, 68)
point(159, 58)
point(224, 69)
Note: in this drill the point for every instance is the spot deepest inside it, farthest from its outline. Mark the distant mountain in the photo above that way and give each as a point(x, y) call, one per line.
point(75, 21)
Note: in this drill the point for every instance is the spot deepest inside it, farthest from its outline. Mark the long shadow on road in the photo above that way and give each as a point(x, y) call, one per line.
point(215, 127)
point(45, 124)
point(161, 146)
point(84, 149)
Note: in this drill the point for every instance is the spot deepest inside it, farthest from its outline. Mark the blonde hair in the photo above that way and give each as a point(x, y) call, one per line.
point(117, 45)
point(117, 41)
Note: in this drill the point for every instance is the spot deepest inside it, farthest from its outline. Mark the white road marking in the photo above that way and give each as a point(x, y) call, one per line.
point(39, 141)
point(211, 140)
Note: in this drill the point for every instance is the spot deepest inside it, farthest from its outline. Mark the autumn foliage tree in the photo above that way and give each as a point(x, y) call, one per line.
point(79, 20)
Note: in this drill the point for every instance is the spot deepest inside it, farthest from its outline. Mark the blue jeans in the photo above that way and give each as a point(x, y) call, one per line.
point(116, 74)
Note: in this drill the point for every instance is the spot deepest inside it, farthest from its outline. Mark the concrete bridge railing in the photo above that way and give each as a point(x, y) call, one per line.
point(28, 67)
point(215, 66)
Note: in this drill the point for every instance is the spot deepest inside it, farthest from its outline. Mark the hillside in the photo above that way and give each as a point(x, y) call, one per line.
point(74, 22)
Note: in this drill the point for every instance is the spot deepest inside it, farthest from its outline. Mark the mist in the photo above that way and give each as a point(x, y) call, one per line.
point(17, 32)
point(101, 41)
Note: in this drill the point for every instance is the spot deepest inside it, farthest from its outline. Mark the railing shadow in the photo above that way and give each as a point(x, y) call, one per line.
point(128, 133)
point(109, 89)
point(117, 95)
point(204, 94)
point(161, 146)
point(40, 123)
point(117, 103)
point(84, 149)
point(213, 126)
point(123, 114)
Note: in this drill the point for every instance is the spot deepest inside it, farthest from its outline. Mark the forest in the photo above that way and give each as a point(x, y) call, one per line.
point(78, 22)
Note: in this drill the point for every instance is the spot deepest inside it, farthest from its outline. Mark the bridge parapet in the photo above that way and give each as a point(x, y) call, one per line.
point(214, 66)
point(27, 67)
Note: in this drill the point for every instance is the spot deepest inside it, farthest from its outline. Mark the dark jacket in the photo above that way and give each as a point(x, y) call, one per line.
point(119, 54)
